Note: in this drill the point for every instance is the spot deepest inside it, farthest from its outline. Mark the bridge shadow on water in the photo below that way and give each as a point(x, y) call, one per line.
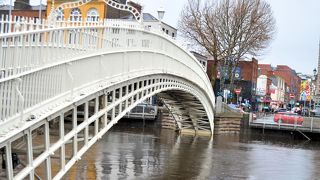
point(142, 150)
point(134, 149)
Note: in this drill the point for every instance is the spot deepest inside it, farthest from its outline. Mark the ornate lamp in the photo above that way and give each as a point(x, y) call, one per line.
point(160, 13)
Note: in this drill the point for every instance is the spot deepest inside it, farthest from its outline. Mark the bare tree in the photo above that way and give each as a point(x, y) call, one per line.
point(228, 30)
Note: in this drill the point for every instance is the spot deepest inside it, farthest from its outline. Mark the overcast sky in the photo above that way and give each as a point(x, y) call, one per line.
point(296, 42)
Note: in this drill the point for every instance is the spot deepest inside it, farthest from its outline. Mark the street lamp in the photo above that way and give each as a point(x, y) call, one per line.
point(160, 15)
point(314, 82)
point(40, 9)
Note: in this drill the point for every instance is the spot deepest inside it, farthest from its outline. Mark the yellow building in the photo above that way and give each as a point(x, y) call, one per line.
point(92, 11)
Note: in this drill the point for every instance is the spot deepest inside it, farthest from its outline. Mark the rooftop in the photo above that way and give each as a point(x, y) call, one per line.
point(146, 17)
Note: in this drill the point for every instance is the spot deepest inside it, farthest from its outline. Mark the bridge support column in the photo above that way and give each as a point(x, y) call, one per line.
point(96, 110)
point(62, 150)
point(9, 167)
point(104, 106)
point(86, 116)
point(30, 152)
point(120, 97)
point(127, 100)
point(47, 146)
point(75, 126)
point(194, 122)
point(113, 109)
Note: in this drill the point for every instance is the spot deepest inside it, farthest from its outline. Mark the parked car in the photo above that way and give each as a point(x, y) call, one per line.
point(288, 118)
point(280, 110)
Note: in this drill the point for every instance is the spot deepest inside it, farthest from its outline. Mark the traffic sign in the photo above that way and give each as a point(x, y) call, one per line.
point(237, 91)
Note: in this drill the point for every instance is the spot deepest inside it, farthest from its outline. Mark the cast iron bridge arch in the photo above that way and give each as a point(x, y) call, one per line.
point(50, 73)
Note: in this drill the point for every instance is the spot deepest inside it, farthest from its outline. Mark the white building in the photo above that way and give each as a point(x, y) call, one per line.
point(278, 90)
point(262, 85)
point(151, 22)
point(202, 59)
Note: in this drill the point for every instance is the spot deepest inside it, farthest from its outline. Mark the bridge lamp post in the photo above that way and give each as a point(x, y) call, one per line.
point(160, 16)
point(40, 9)
point(10, 10)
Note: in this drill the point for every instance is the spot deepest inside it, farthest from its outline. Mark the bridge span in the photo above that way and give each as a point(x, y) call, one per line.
point(82, 77)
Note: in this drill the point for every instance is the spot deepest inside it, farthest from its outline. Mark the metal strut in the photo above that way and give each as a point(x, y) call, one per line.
point(19, 81)
point(303, 134)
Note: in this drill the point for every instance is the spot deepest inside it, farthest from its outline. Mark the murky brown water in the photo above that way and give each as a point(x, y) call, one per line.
point(130, 151)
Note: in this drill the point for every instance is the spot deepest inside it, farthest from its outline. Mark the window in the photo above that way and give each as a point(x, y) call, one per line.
point(167, 32)
point(172, 34)
point(75, 14)
point(92, 15)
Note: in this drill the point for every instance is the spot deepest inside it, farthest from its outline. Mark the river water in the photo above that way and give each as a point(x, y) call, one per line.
point(133, 151)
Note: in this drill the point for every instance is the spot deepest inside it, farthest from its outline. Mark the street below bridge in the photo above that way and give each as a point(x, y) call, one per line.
point(133, 151)
point(307, 125)
point(266, 119)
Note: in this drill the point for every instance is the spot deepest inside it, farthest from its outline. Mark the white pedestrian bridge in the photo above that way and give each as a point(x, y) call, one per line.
point(64, 85)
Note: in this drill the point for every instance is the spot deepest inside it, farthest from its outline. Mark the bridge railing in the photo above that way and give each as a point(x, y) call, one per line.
point(22, 24)
point(27, 44)
point(36, 58)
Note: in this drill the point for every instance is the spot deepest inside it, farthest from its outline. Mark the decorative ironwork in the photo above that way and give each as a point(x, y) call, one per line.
point(112, 3)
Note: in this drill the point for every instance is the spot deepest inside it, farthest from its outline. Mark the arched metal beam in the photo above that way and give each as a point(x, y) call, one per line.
point(112, 3)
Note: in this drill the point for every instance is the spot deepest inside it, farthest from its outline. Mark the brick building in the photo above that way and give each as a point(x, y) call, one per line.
point(290, 77)
point(245, 78)
point(248, 81)
point(292, 80)
point(249, 71)
point(24, 9)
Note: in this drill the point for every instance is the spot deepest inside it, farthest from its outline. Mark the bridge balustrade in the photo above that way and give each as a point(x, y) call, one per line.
point(42, 62)
point(54, 71)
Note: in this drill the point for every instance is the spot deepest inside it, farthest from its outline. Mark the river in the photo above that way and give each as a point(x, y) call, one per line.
point(133, 151)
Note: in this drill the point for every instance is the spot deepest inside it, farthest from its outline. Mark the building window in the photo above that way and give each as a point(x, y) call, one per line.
point(167, 32)
point(60, 15)
point(75, 14)
point(92, 15)
point(172, 34)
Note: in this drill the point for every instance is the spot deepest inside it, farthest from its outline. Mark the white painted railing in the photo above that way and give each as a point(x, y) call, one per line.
point(32, 45)
point(39, 62)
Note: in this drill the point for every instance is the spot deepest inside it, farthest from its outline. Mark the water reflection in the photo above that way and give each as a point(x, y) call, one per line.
point(148, 152)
